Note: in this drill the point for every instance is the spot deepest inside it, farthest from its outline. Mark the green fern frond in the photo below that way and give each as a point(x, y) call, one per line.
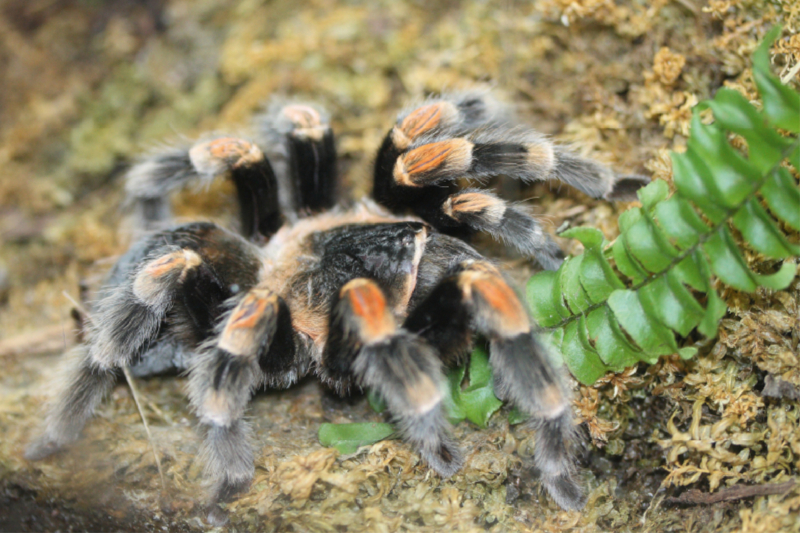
point(670, 251)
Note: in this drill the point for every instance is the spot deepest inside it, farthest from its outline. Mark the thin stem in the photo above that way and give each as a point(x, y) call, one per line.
point(135, 393)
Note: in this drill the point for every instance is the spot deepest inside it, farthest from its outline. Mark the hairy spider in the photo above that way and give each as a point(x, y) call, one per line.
point(380, 294)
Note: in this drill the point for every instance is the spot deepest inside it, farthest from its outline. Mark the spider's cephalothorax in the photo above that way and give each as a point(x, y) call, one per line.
point(380, 295)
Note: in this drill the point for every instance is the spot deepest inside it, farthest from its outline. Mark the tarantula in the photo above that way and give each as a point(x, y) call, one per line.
point(380, 294)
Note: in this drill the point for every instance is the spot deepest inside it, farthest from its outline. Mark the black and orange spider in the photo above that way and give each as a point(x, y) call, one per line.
point(381, 294)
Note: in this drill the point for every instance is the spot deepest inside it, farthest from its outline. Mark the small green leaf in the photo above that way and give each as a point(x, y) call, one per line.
point(589, 237)
point(348, 438)
point(628, 219)
point(451, 402)
point(688, 272)
point(783, 196)
point(544, 299)
point(653, 193)
point(732, 111)
point(727, 261)
point(609, 341)
point(680, 222)
point(715, 306)
point(732, 174)
point(648, 245)
point(761, 233)
point(625, 263)
point(597, 277)
point(688, 171)
point(781, 104)
point(570, 283)
point(581, 360)
point(671, 304)
point(653, 338)
point(794, 155)
point(376, 401)
point(480, 372)
point(780, 279)
point(477, 399)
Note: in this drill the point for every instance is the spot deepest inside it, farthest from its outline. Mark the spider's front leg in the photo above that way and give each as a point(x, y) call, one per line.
point(476, 297)
point(254, 345)
point(365, 342)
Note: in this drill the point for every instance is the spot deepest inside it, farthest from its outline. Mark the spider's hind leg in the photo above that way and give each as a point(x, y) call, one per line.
point(150, 182)
point(83, 387)
point(365, 342)
point(301, 142)
point(476, 297)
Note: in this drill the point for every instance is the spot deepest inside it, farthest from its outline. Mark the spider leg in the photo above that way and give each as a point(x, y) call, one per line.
point(172, 279)
point(365, 342)
point(254, 345)
point(305, 154)
point(150, 182)
point(81, 391)
point(476, 297)
point(482, 211)
point(132, 316)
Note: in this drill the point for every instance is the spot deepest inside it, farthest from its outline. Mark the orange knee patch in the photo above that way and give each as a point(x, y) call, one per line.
point(420, 121)
point(475, 202)
point(307, 121)
point(247, 321)
point(369, 307)
point(507, 316)
point(149, 283)
point(454, 155)
point(217, 156)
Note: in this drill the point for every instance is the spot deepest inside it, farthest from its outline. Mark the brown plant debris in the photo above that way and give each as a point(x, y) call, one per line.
point(737, 492)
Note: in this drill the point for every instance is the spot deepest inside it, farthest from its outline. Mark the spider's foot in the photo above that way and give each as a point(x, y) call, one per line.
point(41, 448)
point(565, 490)
point(555, 440)
point(217, 516)
point(224, 490)
point(228, 456)
point(436, 447)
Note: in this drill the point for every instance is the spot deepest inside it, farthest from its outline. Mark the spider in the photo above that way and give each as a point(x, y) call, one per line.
point(379, 294)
